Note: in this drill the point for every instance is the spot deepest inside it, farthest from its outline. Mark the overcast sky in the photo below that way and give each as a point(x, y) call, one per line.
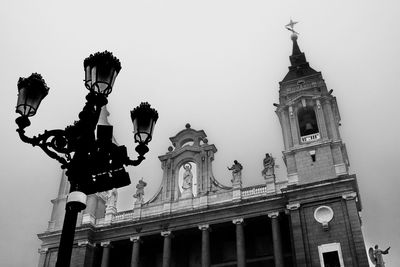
point(215, 64)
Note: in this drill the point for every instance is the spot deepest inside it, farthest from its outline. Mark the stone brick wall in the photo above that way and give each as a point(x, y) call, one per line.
point(344, 228)
point(309, 171)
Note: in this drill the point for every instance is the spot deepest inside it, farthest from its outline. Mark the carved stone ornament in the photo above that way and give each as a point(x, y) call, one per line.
point(237, 221)
point(293, 206)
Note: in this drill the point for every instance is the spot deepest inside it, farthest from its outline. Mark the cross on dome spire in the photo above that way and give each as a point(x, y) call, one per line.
point(290, 26)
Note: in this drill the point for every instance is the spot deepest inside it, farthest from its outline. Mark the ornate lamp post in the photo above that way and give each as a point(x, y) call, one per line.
point(92, 162)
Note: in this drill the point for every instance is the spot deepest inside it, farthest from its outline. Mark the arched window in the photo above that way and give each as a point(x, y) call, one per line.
point(307, 121)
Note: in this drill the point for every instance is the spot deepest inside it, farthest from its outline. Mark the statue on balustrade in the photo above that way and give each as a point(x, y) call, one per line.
point(269, 166)
point(112, 198)
point(236, 172)
point(139, 195)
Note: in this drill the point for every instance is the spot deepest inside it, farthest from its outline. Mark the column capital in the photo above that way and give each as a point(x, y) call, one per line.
point(165, 233)
point(105, 244)
point(43, 250)
point(291, 111)
point(237, 221)
point(293, 206)
point(135, 238)
point(82, 243)
point(349, 196)
point(318, 103)
point(273, 215)
point(204, 227)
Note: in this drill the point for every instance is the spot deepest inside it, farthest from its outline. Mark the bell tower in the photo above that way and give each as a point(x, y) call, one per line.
point(309, 117)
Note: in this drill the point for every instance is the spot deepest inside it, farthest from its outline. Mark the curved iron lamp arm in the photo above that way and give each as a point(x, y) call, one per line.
point(54, 139)
point(72, 138)
point(135, 162)
point(141, 149)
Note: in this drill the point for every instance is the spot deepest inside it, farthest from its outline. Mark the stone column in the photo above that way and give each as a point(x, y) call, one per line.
point(135, 251)
point(106, 253)
point(205, 245)
point(240, 245)
point(167, 249)
point(276, 238)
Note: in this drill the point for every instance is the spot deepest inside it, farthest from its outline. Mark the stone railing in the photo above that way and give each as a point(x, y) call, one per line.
point(123, 216)
point(310, 137)
point(254, 191)
point(187, 204)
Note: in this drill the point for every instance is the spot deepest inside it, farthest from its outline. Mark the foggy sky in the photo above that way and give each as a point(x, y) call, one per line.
point(213, 64)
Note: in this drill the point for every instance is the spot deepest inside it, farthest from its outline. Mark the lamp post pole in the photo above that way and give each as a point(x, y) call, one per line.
point(92, 162)
point(68, 232)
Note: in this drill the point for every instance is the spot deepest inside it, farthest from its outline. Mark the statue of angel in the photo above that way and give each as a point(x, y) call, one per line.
point(375, 255)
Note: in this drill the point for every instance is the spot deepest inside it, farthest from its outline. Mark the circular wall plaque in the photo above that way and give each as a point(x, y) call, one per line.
point(323, 214)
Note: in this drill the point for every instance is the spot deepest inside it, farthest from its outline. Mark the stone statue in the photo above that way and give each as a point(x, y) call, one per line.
point(375, 255)
point(187, 177)
point(236, 171)
point(139, 195)
point(269, 166)
point(112, 198)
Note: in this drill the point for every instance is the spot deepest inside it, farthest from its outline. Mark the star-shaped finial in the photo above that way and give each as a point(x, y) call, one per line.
point(290, 26)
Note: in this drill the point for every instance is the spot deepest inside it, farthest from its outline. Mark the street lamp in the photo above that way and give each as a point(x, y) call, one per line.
point(92, 161)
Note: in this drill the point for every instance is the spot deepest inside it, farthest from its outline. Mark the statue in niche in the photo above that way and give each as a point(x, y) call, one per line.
point(139, 195)
point(236, 171)
point(112, 198)
point(376, 257)
point(187, 180)
point(269, 166)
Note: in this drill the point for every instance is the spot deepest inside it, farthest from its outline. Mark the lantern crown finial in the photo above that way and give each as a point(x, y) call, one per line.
point(143, 118)
point(101, 69)
point(103, 58)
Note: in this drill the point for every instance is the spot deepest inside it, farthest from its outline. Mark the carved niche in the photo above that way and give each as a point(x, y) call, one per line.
point(187, 168)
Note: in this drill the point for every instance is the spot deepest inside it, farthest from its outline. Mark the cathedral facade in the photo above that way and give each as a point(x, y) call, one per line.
point(311, 218)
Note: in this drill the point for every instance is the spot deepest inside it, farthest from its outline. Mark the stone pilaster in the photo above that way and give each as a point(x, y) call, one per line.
point(240, 244)
point(42, 256)
point(110, 213)
point(167, 249)
point(321, 120)
point(358, 249)
point(135, 251)
point(293, 126)
point(276, 238)
point(297, 234)
point(205, 245)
